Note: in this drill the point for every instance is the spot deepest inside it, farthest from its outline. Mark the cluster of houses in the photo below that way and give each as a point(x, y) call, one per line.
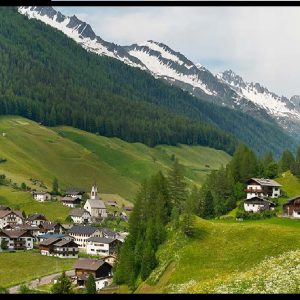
point(260, 190)
point(92, 211)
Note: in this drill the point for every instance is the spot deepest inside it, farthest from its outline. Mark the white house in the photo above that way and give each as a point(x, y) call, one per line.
point(256, 204)
point(17, 239)
point(81, 233)
point(80, 216)
point(95, 206)
point(262, 187)
point(41, 196)
point(102, 246)
point(10, 217)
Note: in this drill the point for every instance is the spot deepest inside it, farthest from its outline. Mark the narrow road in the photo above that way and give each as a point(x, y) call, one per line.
point(40, 281)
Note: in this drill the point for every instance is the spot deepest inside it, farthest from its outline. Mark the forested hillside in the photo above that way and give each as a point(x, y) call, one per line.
point(47, 77)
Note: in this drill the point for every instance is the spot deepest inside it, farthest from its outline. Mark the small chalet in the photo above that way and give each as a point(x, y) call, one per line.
point(102, 246)
point(101, 270)
point(81, 233)
point(70, 201)
point(262, 187)
point(112, 203)
point(41, 196)
point(292, 207)
point(51, 227)
point(74, 193)
point(33, 229)
point(80, 216)
point(17, 239)
point(95, 206)
point(10, 217)
point(256, 204)
point(36, 219)
point(60, 247)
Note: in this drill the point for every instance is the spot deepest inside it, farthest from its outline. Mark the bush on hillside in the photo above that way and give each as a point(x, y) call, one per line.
point(255, 216)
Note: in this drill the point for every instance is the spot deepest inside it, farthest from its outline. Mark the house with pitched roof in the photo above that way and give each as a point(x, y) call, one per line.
point(41, 196)
point(101, 270)
point(70, 201)
point(10, 217)
point(59, 247)
point(17, 239)
point(80, 216)
point(74, 192)
point(35, 219)
point(102, 246)
point(291, 208)
point(262, 187)
point(257, 204)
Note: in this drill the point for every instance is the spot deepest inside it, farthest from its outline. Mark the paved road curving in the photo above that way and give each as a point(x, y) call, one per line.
point(40, 281)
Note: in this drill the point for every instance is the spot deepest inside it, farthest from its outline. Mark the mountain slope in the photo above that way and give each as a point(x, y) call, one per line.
point(54, 81)
point(222, 251)
point(77, 158)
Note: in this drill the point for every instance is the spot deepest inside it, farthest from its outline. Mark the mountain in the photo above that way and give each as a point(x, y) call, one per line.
point(49, 78)
point(285, 111)
point(162, 62)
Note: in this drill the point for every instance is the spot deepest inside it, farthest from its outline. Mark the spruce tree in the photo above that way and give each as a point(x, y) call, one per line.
point(90, 286)
point(63, 285)
point(55, 186)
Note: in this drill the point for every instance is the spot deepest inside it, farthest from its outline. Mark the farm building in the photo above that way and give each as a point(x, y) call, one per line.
point(41, 196)
point(70, 201)
point(261, 187)
point(256, 204)
point(292, 207)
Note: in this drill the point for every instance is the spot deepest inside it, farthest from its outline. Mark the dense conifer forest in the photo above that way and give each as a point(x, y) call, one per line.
point(47, 77)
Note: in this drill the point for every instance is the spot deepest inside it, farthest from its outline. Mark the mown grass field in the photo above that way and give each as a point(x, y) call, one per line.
point(24, 266)
point(219, 251)
point(53, 211)
point(77, 158)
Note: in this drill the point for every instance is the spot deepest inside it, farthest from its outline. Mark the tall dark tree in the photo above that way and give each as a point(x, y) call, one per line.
point(286, 161)
point(63, 285)
point(55, 186)
point(90, 286)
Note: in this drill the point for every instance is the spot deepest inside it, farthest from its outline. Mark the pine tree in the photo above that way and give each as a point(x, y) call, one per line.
point(177, 186)
point(90, 285)
point(286, 161)
point(55, 186)
point(188, 219)
point(63, 285)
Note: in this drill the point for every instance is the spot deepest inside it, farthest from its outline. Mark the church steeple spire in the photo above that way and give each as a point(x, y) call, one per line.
point(94, 192)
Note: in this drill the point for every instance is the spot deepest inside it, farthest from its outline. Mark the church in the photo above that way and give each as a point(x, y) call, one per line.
point(95, 206)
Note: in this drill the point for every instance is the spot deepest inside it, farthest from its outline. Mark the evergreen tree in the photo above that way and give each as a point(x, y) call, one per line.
point(4, 245)
point(208, 205)
point(188, 219)
point(55, 186)
point(286, 161)
point(63, 285)
point(90, 285)
point(177, 186)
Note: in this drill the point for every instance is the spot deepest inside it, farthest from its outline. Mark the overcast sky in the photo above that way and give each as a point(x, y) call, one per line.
point(261, 44)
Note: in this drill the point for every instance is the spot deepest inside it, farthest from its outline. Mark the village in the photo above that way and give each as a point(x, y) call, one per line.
point(96, 247)
point(84, 237)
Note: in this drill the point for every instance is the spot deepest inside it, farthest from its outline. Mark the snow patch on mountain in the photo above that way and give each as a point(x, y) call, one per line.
point(276, 106)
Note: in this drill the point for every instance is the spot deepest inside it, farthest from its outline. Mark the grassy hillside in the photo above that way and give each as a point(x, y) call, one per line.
point(78, 158)
point(219, 253)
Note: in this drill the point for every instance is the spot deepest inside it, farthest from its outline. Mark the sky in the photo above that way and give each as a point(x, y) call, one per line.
point(261, 44)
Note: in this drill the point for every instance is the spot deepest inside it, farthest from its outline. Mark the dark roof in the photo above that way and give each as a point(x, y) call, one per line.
point(128, 208)
point(4, 207)
point(50, 235)
point(74, 191)
point(49, 241)
point(265, 181)
point(49, 225)
point(34, 217)
point(26, 227)
point(69, 199)
point(258, 200)
point(64, 242)
point(89, 264)
point(291, 200)
point(40, 193)
point(77, 212)
point(77, 229)
point(16, 233)
point(100, 240)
